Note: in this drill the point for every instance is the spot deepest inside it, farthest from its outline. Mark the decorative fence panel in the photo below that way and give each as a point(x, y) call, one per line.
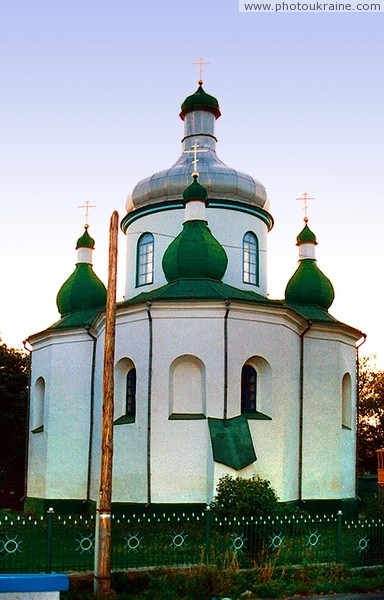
point(67, 543)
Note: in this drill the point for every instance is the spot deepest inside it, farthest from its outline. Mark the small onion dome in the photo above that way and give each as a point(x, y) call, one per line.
point(83, 289)
point(306, 236)
point(85, 241)
point(195, 191)
point(200, 100)
point(195, 253)
point(309, 285)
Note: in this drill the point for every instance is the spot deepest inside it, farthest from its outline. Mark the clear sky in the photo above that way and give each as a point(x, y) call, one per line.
point(90, 96)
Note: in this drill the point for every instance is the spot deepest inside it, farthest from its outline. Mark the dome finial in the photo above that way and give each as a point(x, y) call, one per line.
point(200, 62)
point(87, 206)
point(304, 198)
point(195, 151)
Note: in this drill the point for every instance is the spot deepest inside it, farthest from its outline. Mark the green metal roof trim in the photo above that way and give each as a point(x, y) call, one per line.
point(195, 253)
point(313, 313)
point(200, 100)
point(78, 318)
point(309, 285)
point(232, 442)
point(306, 236)
point(83, 289)
point(199, 289)
point(150, 209)
point(195, 191)
point(85, 241)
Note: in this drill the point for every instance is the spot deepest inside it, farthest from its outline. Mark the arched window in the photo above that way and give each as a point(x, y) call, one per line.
point(145, 259)
point(125, 392)
point(130, 397)
point(248, 389)
point(38, 406)
point(346, 411)
point(250, 259)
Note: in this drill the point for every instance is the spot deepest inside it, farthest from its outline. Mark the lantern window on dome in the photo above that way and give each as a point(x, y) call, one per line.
point(145, 259)
point(250, 259)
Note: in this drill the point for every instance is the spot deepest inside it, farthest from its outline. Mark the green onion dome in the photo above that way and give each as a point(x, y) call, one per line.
point(306, 236)
point(83, 289)
point(195, 191)
point(85, 241)
point(309, 285)
point(200, 100)
point(195, 253)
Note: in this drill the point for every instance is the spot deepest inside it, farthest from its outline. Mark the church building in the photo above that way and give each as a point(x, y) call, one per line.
point(212, 377)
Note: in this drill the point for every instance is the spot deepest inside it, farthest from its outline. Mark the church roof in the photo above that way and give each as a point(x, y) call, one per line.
point(78, 318)
point(198, 289)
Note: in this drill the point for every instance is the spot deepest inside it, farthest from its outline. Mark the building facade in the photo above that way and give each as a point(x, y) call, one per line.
point(211, 376)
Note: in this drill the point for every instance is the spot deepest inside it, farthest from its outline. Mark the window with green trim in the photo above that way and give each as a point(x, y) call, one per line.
point(250, 258)
point(248, 389)
point(145, 259)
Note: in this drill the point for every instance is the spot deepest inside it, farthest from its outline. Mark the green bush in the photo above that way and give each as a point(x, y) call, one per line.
point(245, 498)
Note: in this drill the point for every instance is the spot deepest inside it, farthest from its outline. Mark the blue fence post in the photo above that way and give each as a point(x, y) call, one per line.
point(207, 534)
point(339, 526)
point(48, 558)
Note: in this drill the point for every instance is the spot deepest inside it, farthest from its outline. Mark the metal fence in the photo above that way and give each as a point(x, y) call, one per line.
point(67, 543)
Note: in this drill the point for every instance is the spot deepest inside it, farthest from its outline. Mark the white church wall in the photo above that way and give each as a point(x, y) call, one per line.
point(37, 443)
point(328, 449)
point(271, 344)
point(164, 226)
point(69, 416)
point(63, 361)
point(181, 448)
point(130, 439)
point(228, 226)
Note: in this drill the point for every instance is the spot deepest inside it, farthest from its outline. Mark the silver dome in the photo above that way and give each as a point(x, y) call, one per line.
point(221, 181)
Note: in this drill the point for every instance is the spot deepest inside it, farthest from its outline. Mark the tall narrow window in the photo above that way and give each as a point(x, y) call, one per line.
point(130, 398)
point(250, 259)
point(145, 258)
point(248, 389)
point(38, 406)
point(346, 409)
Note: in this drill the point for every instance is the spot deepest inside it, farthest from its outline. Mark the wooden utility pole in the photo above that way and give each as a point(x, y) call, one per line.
point(102, 576)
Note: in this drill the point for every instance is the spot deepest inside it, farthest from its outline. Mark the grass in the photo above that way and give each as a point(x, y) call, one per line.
point(204, 583)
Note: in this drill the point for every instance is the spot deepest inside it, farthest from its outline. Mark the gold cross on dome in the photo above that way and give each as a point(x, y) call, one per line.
point(304, 198)
point(194, 151)
point(87, 206)
point(200, 62)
